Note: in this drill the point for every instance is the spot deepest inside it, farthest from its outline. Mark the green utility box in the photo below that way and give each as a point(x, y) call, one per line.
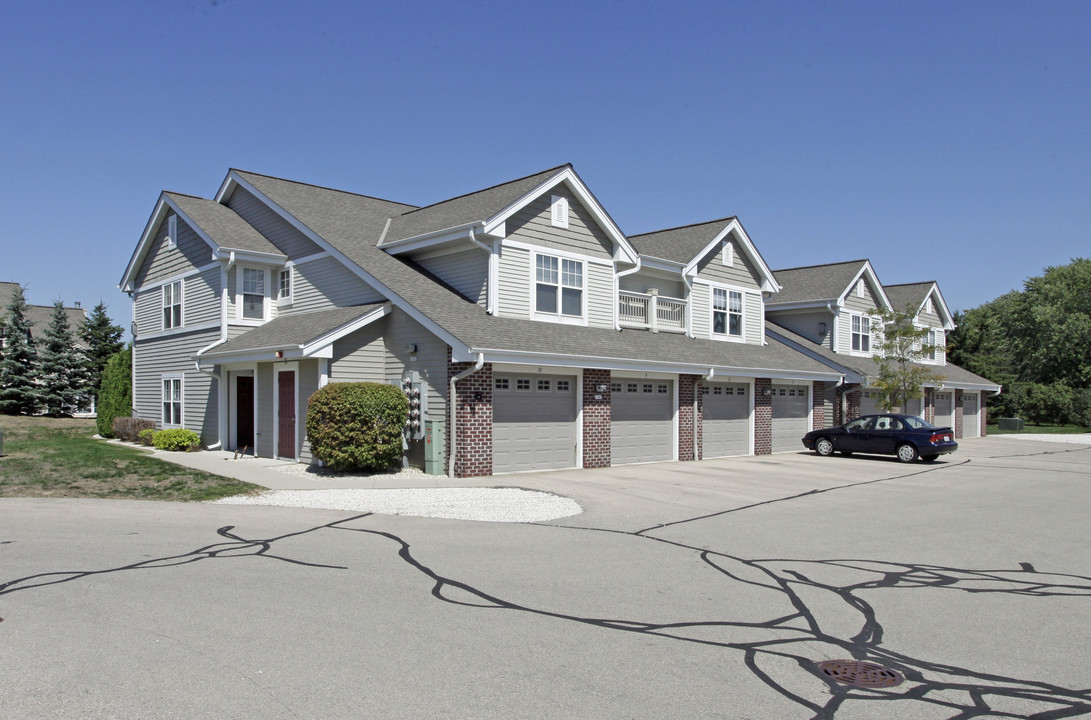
point(1013, 424)
point(434, 445)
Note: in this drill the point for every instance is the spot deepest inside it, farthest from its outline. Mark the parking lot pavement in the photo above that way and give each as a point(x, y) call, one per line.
point(715, 597)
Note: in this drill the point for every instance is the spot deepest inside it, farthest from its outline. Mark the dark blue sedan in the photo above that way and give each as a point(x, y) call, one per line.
point(906, 436)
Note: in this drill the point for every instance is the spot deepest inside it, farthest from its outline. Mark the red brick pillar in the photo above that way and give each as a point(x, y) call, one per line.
point(981, 413)
point(596, 418)
point(686, 435)
point(818, 405)
point(850, 396)
point(763, 416)
point(472, 439)
point(958, 414)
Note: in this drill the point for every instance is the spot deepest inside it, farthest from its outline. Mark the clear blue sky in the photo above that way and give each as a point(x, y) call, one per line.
point(946, 141)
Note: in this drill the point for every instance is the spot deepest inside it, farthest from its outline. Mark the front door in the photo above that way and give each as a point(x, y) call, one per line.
point(286, 414)
point(244, 413)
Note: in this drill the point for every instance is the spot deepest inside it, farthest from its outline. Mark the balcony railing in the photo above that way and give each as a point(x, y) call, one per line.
point(651, 311)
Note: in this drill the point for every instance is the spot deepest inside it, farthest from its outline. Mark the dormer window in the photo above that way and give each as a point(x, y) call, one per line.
point(558, 211)
point(729, 253)
point(861, 334)
point(930, 345)
point(558, 286)
point(251, 291)
point(726, 312)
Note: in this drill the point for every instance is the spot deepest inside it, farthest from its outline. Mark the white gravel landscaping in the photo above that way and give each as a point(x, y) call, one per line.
point(484, 504)
point(1076, 438)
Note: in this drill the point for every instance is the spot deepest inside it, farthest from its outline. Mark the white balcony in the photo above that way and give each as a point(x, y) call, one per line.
point(651, 311)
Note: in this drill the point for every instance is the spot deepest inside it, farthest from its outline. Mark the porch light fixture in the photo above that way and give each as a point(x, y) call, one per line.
point(132, 328)
point(280, 354)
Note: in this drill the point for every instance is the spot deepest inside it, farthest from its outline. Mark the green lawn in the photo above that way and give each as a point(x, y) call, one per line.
point(1041, 429)
point(58, 457)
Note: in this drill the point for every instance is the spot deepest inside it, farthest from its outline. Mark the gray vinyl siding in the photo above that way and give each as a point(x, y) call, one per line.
point(174, 354)
point(466, 271)
point(276, 229)
point(361, 356)
point(161, 263)
point(600, 295)
point(514, 288)
point(754, 328)
point(741, 273)
point(430, 359)
point(200, 302)
point(264, 423)
point(325, 283)
point(701, 307)
point(148, 310)
point(582, 236)
point(643, 283)
point(806, 324)
point(865, 305)
point(308, 385)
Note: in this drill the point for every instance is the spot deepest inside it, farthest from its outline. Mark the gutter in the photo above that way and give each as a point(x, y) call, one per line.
point(490, 286)
point(454, 411)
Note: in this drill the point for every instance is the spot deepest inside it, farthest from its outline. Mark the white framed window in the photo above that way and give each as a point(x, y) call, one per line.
point(861, 334)
point(172, 305)
point(930, 345)
point(729, 253)
point(727, 312)
point(172, 232)
point(172, 401)
point(558, 288)
point(558, 211)
point(252, 291)
point(284, 286)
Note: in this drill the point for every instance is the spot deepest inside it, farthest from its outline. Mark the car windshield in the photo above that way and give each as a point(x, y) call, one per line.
point(865, 423)
point(915, 422)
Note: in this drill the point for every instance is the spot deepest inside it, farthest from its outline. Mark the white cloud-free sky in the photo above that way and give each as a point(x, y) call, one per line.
point(944, 141)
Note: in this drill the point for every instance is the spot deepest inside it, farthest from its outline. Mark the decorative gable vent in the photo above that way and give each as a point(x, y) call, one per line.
point(558, 211)
point(928, 305)
point(860, 289)
point(729, 253)
point(172, 231)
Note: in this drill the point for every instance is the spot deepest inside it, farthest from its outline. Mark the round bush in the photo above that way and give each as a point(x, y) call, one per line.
point(178, 439)
point(357, 426)
point(146, 436)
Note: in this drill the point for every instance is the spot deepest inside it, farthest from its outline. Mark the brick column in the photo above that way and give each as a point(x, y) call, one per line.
point(596, 418)
point(473, 412)
point(958, 414)
point(853, 395)
point(818, 405)
point(763, 416)
point(686, 435)
point(981, 413)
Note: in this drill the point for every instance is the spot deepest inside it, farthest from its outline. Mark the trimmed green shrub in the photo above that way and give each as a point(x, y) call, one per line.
point(178, 439)
point(128, 428)
point(146, 436)
point(357, 426)
point(115, 397)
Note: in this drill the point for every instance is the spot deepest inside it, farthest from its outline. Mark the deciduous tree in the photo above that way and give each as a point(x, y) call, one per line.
point(899, 353)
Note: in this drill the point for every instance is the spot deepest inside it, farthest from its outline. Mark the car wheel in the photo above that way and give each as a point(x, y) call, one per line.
point(907, 453)
point(929, 458)
point(823, 447)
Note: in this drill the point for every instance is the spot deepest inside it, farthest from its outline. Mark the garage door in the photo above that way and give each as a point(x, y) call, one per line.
point(945, 405)
point(533, 422)
point(790, 415)
point(869, 403)
point(642, 421)
point(913, 407)
point(725, 420)
point(971, 419)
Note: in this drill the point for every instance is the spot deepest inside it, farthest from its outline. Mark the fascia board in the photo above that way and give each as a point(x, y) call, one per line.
point(257, 355)
point(775, 307)
point(141, 250)
point(873, 280)
point(427, 322)
point(949, 319)
point(768, 280)
point(428, 240)
point(637, 365)
point(570, 178)
point(330, 338)
point(667, 266)
point(251, 256)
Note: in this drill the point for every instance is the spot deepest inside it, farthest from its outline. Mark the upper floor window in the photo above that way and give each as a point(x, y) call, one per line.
point(559, 286)
point(172, 305)
point(284, 290)
point(726, 312)
point(861, 333)
point(930, 345)
point(558, 211)
point(251, 293)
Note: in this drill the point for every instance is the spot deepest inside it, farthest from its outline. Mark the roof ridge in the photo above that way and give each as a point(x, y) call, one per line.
point(322, 187)
point(491, 187)
point(818, 265)
point(683, 227)
point(186, 195)
point(922, 282)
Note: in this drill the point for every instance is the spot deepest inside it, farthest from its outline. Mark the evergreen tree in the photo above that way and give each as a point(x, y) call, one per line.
point(901, 376)
point(62, 371)
point(116, 395)
point(18, 368)
point(103, 340)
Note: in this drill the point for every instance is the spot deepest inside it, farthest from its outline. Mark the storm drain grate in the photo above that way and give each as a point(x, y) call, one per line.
point(860, 674)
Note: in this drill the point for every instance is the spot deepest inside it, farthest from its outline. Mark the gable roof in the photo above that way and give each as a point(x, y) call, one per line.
point(913, 295)
point(39, 316)
point(821, 284)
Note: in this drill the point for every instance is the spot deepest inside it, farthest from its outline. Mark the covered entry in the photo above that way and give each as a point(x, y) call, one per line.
point(642, 421)
point(725, 419)
point(534, 422)
point(791, 412)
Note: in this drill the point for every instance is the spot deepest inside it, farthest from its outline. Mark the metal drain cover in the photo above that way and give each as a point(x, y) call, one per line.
point(859, 673)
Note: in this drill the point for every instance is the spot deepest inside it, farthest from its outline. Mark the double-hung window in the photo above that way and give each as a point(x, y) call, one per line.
point(930, 345)
point(726, 312)
point(172, 401)
point(861, 333)
point(284, 291)
point(172, 305)
point(559, 286)
point(252, 301)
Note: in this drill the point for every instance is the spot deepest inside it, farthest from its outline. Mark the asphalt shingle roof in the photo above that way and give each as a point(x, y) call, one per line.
point(909, 294)
point(219, 222)
point(679, 244)
point(295, 330)
point(40, 315)
point(817, 282)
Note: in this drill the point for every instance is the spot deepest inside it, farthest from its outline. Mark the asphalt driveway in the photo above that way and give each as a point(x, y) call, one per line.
point(706, 589)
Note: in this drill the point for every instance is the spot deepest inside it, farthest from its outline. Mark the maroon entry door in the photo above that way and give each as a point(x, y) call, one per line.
point(286, 414)
point(244, 412)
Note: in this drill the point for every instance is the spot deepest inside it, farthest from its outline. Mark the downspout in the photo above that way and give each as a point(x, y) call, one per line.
point(617, 290)
point(688, 282)
point(833, 330)
point(454, 411)
point(490, 286)
point(696, 397)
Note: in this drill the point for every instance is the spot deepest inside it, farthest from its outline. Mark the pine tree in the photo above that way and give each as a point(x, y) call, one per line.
point(18, 368)
point(62, 370)
point(103, 340)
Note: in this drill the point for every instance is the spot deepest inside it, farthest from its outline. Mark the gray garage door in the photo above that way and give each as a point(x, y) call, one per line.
point(971, 420)
point(945, 405)
point(790, 414)
point(642, 421)
point(725, 420)
point(533, 422)
point(869, 403)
